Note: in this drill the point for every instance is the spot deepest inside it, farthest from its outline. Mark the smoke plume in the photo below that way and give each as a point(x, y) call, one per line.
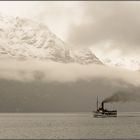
point(122, 96)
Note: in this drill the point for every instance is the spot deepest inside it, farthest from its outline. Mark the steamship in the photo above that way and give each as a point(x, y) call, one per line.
point(102, 112)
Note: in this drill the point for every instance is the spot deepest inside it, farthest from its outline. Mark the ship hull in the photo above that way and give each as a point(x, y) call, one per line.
point(104, 114)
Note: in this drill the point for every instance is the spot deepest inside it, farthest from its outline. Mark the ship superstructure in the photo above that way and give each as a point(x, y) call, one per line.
point(102, 112)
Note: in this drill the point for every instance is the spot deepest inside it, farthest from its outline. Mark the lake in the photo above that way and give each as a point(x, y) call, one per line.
point(68, 126)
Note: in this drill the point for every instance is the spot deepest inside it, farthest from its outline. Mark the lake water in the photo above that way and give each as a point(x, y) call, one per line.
point(68, 126)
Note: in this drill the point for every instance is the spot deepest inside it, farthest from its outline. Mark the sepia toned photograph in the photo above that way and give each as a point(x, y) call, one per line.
point(69, 69)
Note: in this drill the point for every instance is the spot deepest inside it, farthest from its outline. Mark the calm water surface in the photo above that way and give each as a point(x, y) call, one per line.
point(68, 125)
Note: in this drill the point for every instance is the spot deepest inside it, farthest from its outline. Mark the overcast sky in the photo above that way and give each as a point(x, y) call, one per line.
point(111, 27)
point(57, 15)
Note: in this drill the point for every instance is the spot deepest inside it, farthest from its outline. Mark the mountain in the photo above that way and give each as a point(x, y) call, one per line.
point(26, 39)
point(123, 62)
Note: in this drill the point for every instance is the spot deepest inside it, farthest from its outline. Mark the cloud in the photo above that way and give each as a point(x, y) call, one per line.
point(46, 71)
point(58, 15)
point(116, 23)
point(57, 85)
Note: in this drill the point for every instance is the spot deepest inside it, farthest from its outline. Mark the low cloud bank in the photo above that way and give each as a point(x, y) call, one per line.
point(47, 71)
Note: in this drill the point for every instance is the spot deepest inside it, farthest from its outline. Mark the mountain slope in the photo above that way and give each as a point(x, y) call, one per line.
point(123, 62)
point(51, 97)
point(23, 38)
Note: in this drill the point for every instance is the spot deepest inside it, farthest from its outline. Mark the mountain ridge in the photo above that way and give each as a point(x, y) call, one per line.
point(24, 38)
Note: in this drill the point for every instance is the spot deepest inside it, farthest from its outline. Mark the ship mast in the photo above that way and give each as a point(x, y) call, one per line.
point(97, 102)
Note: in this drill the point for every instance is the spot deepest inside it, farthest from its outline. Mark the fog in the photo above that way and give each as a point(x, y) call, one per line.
point(30, 70)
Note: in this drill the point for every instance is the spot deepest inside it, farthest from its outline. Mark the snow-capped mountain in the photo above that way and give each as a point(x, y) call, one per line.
point(123, 62)
point(84, 56)
point(23, 38)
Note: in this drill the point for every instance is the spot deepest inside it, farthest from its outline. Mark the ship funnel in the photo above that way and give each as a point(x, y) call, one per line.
point(102, 105)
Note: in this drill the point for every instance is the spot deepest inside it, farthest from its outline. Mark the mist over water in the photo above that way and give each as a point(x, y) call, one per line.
point(60, 72)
